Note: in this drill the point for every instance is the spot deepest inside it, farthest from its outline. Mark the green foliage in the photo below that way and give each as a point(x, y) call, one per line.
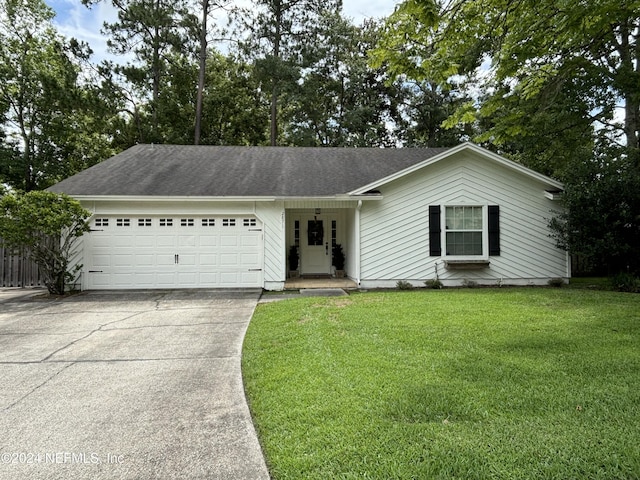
point(433, 283)
point(51, 119)
point(537, 71)
point(294, 257)
point(626, 282)
point(45, 226)
point(466, 384)
point(404, 285)
point(556, 282)
point(601, 222)
point(338, 257)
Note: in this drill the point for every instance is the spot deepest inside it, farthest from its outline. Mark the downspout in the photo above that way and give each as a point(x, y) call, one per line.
point(357, 225)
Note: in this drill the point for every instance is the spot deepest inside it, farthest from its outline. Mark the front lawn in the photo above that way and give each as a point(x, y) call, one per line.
point(469, 384)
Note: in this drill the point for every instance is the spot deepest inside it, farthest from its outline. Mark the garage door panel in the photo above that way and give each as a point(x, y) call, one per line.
point(101, 260)
point(228, 259)
point(209, 241)
point(228, 240)
point(120, 241)
point(145, 260)
point(209, 278)
point(123, 260)
point(186, 241)
point(164, 240)
point(208, 260)
point(249, 259)
point(187, 259)
point(160, 252)
point(145, 279)
point(165, 259)
point(145, 241)
point(103, 241)
point(249, 240)
point(123, 280)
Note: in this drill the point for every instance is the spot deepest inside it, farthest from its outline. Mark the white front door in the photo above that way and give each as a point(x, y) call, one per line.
point(315, 254)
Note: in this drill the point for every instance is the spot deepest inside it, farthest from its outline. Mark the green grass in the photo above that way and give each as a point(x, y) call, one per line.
point(465, 384)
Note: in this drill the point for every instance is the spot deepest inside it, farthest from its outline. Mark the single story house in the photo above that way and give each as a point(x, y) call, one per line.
point(169, 216)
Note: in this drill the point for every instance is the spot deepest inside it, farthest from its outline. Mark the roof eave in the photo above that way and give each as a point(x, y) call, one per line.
point(452, 151)
point(172, 198)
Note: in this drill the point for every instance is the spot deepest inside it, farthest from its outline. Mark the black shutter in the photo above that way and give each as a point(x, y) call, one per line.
point(435, 242)
point(494, 230)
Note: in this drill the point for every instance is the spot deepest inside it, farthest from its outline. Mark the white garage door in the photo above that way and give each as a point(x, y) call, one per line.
point(173, 251)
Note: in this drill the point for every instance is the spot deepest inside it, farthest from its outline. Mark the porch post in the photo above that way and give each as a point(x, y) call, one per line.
point(357, 238)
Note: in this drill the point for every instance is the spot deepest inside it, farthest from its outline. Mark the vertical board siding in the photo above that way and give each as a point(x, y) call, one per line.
point(18, 271)
point(395, 232)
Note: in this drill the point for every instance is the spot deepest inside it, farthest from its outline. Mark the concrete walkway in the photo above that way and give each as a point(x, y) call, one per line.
point(138, 385)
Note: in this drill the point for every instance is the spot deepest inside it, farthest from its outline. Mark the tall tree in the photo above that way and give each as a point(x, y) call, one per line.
point(52, 120)
point(339, 99)
point(152, 31)
point(526, 51)
point(274, 34)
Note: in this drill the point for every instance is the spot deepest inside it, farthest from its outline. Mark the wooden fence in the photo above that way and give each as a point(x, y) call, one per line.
point(17, 271)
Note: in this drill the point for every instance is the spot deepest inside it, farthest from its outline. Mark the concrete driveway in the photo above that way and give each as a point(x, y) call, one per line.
point(114, 385)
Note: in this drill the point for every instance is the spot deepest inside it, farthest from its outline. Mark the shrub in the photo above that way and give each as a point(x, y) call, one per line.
point(433, 283)
point(556, 282)
point(46, 227)
point(626, 282)
point(404, 285)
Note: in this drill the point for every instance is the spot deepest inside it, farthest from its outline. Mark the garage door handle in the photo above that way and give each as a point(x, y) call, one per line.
point(176, 259)
point(95, 271)
point(254, 270)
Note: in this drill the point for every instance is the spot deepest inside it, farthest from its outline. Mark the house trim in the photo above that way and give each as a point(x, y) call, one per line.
point(453, 151)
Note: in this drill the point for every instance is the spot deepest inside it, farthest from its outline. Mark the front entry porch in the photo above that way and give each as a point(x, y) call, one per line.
point(319, 244)
point(319, 282)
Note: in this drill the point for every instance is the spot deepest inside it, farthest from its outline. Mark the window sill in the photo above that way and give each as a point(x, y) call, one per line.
point(466, 264)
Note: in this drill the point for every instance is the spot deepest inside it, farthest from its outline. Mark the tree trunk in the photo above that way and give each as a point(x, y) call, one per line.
point(201, 74)
point(275, 84)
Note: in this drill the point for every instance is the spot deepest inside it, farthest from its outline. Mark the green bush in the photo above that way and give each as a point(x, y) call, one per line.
point(404, 285)
point(626, 282)
point(556, 282)
point(433, 283)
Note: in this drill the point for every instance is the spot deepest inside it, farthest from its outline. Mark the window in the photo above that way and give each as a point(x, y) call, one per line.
point(166, 222)
point(249, 222)
point(208, 222)
point(186, 222)
point(123, 222)
point(296, 233)
point(102, 222)
point(228, 222)
point(467, 231)
point(144, 222)
point(464, 227)
point(334, 233)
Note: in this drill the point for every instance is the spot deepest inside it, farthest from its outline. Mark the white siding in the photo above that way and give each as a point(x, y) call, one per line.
point(272, 216)
point(395, 235)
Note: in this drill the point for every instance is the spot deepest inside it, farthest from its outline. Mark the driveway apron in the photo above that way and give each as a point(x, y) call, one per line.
point(130, 385)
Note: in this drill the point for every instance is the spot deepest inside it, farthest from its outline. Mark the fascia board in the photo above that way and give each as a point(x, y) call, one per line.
point(149, 198)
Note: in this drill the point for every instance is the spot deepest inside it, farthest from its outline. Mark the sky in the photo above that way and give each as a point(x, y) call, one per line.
point(75, 20)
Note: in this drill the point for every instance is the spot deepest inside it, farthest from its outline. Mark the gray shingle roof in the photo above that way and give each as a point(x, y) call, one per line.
point(179, 170)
